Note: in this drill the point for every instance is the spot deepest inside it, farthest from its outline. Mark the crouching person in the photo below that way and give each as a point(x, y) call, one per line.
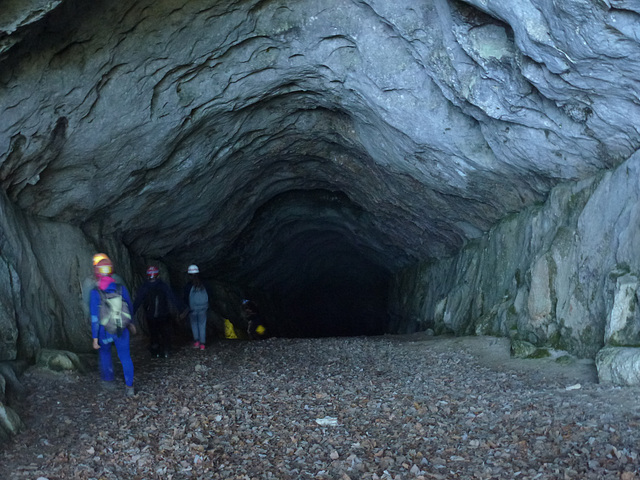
point(111, 322)
point(255, 323)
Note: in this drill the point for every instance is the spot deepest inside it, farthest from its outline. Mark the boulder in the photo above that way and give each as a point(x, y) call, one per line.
point(58, 360)
point(619, 365)
point(10, 423)
point(522, 349)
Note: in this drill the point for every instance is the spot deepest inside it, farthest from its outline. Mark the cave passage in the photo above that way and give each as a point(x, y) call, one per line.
point(312, 150)
point(340, 295)
point(331, 309)
point(311, 259)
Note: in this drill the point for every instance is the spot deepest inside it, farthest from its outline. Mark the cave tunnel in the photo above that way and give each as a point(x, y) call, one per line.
point(304, 254)
point(303, 153)
point(322, 282)
point(392, 174)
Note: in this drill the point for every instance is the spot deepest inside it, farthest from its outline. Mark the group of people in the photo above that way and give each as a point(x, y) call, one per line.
point(112, 315)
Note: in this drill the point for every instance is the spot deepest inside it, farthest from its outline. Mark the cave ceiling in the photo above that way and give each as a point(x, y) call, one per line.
point(228, 132)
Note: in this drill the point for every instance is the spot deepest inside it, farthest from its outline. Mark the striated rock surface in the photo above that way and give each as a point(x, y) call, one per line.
point(559, 274)
point(190, 128)
point(18, 15)
point(619, 365)
point(623, 325)
point(319, 150)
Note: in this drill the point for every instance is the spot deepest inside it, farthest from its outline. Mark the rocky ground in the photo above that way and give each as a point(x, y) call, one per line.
point(338, 408)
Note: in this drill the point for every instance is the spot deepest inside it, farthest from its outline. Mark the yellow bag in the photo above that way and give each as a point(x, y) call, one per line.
point(229, 331)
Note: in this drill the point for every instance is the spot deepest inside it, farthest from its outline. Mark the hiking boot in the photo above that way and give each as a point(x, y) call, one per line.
point(109, 385)
point(202, 346)
point(129, 391)
point(196, 344)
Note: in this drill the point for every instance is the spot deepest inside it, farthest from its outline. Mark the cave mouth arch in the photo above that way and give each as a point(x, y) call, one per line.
point(312, 256)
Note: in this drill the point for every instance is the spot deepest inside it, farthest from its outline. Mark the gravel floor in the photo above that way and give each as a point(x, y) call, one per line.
point(337, 408)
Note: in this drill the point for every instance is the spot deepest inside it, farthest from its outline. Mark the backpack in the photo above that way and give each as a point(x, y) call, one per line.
point(198, 299)
point(114, 311)
point(155, 302)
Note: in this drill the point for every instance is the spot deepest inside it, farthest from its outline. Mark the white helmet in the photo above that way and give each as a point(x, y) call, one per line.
point(193, 269)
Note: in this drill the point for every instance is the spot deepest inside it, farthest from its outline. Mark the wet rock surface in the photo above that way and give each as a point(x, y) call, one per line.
point(335, 408)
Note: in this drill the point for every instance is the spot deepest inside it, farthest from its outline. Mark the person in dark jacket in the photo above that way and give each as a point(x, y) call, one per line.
point(158, 302)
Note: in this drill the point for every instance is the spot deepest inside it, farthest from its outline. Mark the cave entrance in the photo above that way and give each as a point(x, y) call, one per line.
point(346, 299)
point(331, 290)
point(320, 260)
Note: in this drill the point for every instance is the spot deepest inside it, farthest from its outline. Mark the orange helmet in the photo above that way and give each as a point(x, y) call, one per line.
point(99, 256)
point(103, 268)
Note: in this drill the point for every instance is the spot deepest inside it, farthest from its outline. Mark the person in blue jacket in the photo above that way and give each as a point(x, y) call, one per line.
point(103, 341)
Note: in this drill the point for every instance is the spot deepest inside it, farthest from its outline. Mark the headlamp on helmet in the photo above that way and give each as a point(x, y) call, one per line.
point(152, 272)
point(103, 268)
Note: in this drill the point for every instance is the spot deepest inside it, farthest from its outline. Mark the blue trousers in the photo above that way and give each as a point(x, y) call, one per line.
point(106, 363)
point(199, 325)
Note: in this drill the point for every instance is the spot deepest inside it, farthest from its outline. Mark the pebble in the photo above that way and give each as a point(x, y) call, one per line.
point(398, 409)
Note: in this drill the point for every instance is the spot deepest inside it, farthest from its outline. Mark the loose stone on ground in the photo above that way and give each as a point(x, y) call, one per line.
point(337, 408)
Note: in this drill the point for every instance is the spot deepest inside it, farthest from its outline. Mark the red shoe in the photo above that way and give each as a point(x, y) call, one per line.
point(196, 344)
point(202, 346)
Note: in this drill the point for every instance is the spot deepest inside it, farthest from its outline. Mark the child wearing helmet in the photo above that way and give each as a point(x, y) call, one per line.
point(103, 341)
point(90, 282)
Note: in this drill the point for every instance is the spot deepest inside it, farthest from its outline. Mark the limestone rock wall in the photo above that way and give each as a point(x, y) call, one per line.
point(428, 120)
point(554, 274)
point(43, 266)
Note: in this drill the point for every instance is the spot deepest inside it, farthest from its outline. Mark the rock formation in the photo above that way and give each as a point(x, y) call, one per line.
point(320, 152)
point(562, 274)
